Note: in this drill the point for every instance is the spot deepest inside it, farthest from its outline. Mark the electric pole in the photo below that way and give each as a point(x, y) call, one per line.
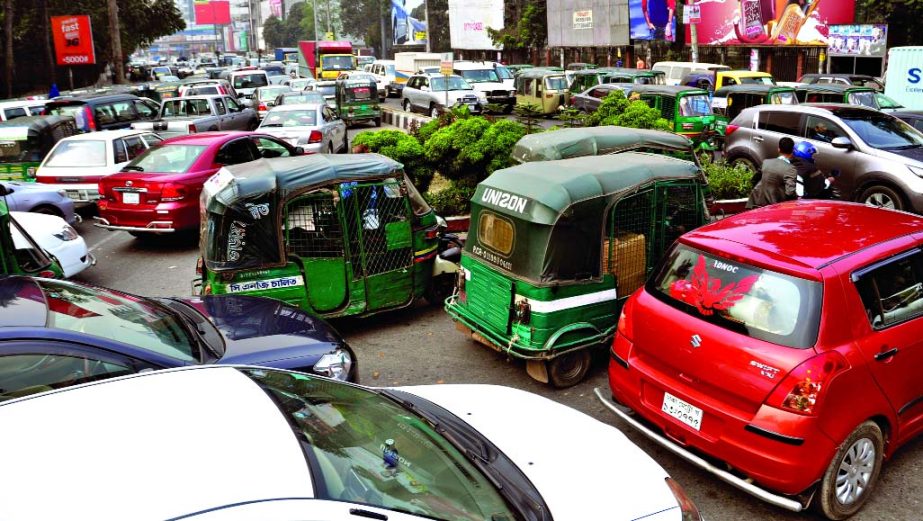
point(118, 67)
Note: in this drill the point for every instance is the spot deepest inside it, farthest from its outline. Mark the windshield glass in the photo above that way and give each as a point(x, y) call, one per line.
point(250, 81)
point(479, 76)
point(784, 98)
point(363, 93)
point(326, 90)
point(555, 83)
point(885, 102)
point(104, 313)
point(455, 83)
point(290, 118)
point(755, 80)
point(78, 153)
point(866, 99)
point(503, 73)
point(695, 105)
point(365, 448)
point(166, 159)
point(337, 63)
point(752, 301)
point(203, 91)
point(883, 131)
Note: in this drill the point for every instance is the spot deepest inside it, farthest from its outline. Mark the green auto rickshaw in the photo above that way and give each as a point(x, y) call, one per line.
point(837, 93)
point(687, 109)
point(729, 102)
point(357, 100)
point(336, 235)
point(19, 253)
point(555, 248)
point(25, 141)
point(567, 143)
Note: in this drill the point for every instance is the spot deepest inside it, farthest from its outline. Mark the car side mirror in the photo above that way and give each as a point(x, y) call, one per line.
point(842, 143)
point(5, 190)
point(299, 151)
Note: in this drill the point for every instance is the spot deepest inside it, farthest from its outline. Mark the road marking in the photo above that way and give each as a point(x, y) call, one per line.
point(104, 241)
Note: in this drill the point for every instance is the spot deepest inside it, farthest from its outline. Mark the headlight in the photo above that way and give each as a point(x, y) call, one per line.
point(68, 233)
point(335, 365)
point(513, 93)
point(916, 170)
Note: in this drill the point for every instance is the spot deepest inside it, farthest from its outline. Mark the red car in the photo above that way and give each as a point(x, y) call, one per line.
point(158, 192)
point(784, 342)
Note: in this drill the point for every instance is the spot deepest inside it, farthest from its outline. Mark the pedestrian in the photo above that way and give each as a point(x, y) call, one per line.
point(815, 184)
point(640, 64)
point(618, 63)
point(778, 179)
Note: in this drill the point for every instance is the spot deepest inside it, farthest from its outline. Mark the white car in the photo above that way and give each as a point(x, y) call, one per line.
point(486, 80)
point(273, 444)
point(56, 237)
point(315, 127)
point(77, 163)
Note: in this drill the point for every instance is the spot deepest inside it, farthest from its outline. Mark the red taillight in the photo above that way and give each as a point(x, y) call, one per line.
point(172, 192)
point(460, 280)
point(207, 290)
point(730, 129)
point(88, 114)
point(262, 106)
point(315, 137)
point(624, 325)
point(803, 389)
point(192, 129)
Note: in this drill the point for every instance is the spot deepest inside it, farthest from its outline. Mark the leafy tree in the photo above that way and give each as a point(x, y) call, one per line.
point(470, 149)
point(571, 117)
point(525, 27)
point(616, 109)
point(274, 33)
point(528, 114)
point(902, 17)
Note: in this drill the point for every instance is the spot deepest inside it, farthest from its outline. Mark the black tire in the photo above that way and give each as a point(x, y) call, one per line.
point(439, 289)
point(569, 369)
point(406, 105)
point(509, 109)
point(330, 149)
point(861, 453)
point(388, 92)
point(882, 196)
point(47, 209)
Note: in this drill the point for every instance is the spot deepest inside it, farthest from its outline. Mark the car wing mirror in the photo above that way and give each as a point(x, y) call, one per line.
point(299, 151)
point(5, 190)
point(842, 143)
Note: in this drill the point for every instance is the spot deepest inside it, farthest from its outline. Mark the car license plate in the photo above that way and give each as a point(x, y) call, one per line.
point(131, 197)
point(472, 106)
point(682, 411)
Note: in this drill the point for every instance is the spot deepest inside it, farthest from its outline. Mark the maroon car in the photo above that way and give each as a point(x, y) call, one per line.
point(158, 192)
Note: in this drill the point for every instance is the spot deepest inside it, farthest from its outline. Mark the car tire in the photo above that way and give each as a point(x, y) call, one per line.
point(569, 369)
point(509, 109)
point(861, 454)
point(47, 209)
point(433, 111)
point(330, 149)
point(882, 196)
point(388, 92)
point(406, 105)
point(745, 162)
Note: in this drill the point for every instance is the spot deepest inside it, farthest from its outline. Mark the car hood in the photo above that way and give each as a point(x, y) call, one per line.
point(288, 132)
point(579, 465)
point(260, 331)
point(35, 188)
point(915, 154)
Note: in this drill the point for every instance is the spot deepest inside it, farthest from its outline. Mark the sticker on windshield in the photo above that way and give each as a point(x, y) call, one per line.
point(259, 285)
point(708, 295)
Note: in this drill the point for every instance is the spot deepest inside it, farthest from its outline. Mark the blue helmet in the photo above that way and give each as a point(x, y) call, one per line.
point(805, 151)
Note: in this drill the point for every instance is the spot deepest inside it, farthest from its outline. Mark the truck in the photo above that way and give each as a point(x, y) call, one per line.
point(324, 60)
point(904, 78)
point(286, 54)
point(191, 114)
point(406, 64)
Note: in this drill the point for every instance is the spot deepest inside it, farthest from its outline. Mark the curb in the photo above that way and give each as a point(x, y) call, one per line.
point(401, 119)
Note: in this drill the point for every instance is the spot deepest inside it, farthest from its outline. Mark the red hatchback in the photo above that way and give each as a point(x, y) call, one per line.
point(158, 192)
point(785, 342)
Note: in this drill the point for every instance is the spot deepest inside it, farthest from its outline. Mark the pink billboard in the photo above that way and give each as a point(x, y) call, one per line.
point(771, 22)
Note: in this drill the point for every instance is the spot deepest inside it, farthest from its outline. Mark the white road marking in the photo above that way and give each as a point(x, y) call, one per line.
point(112, 235)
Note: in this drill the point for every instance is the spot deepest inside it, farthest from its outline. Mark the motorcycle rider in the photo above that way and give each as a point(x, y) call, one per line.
point(814, 183)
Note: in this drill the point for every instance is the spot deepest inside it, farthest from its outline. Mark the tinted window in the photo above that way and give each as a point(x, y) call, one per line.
point(250, 81)
point(135, 146)
point(30, 373)
point(782, 122)
point(893, 293)
point(822, 129)
point(234, 153)
point(14, 113)
point(119, 152)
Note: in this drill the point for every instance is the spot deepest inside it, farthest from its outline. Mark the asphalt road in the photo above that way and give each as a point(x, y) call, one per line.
point(420, 345)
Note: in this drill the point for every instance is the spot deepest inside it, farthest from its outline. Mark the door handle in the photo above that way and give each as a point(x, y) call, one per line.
point(885, 355)
point(758, 139)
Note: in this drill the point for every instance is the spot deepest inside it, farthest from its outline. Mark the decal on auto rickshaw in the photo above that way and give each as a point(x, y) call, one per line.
point(256, 285)
point(504, 200)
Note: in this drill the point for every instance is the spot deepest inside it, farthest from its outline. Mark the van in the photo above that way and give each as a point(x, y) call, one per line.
point(904, 77)
point(675, 71)
point(110, 112)
point(485, 79)
point(384, 72)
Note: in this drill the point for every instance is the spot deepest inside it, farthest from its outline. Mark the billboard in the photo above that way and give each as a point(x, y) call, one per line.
point(408, 26)
point(653, 19)
point(587, 23)
point(771, 22)
point(858, 40)
point(73, 40)
point(469, 20)
point(212, 12)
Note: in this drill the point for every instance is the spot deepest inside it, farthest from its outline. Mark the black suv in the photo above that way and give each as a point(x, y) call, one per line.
point(107, 112)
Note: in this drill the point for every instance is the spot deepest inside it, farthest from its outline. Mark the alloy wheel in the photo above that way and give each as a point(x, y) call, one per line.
point(880, 200)
point(855, 472)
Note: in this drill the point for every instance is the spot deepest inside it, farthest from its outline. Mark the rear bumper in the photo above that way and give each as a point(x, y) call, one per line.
point(78, 193)
point(152, 227)
point(163, 218)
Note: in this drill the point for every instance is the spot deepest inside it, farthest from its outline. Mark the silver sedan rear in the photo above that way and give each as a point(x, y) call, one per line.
point(313, 126)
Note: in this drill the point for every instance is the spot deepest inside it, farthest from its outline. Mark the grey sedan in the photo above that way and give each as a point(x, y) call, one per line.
point(35, 197)
point(590, 99)
point(313, 126)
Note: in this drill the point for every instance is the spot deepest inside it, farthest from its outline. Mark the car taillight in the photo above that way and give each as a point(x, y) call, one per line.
point(198, 266)
point(262, 106)
point(730, 129)
point(172, 192)
point(88, 115)
point(47, 274)
point(316, 136)
point(686, 507)
point(803, 389)
point(192, 129)
point(624, 324)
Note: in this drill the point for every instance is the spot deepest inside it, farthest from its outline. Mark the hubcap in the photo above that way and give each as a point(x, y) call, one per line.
point(570, 365)
point(879, 200)
point(855, 471)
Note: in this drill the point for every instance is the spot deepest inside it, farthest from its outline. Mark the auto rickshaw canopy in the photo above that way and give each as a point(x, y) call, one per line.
point(40, 133)
point(594, 141)
point(759, 90)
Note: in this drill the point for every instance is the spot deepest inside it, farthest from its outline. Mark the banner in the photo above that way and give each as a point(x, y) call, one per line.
point(407, 22)
point(653, 19)
point(275, 7)
point(469, 21)
point(771, 22)
point(588, 23)
point(212, 12)
point(858, 40)
point(73, 40)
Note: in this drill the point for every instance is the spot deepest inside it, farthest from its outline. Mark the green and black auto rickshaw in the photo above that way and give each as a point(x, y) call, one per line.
point(728, 102)
point(25, 141)
point(556, 247)
point(19, 253)
point(336, 235)
point(357, 100)
point(568, 143)
point(687, 109)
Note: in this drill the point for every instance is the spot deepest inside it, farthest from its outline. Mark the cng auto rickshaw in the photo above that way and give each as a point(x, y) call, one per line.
point(555, 248)
point(19, 253)
point(729, 102)
point(336, 235)
point(545, 88)
point(834, 93)
point(25, 141)
point(687, 109)
point(567, 143)
point(357, 100)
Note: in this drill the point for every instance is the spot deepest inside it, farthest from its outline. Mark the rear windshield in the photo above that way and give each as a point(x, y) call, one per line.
point(250, 81)
point(169, 159)
point(78, 153)
point(358, 93)
point(759, 303)
point(755, 80)
point(186, 107)
point(203, 91)
point(290, 118)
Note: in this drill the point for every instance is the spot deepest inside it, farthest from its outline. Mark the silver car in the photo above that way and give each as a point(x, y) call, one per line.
point(315, 127)
point(265, 97)
point(879, 157)
point(328, 89)
point(427, 93)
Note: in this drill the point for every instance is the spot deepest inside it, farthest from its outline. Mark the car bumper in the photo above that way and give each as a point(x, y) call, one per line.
point(502, 100)
point(162, 218)
point(74, 257)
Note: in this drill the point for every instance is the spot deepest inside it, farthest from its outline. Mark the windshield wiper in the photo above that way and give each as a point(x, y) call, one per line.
point(135, 168)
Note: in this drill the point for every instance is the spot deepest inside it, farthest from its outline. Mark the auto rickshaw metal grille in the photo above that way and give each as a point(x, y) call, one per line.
point(378, 228)
point(312, 227)
point(682, 208)
point(628, 238)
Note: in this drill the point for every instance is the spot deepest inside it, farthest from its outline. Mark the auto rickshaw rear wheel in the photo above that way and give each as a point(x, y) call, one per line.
point(569, 369)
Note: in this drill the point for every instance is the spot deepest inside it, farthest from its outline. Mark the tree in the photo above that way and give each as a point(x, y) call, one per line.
point(274, 33)
point(902, 17)
point(525, 27)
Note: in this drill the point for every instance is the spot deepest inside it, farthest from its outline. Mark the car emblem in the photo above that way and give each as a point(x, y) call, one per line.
point(128, 183)
point(696, 341)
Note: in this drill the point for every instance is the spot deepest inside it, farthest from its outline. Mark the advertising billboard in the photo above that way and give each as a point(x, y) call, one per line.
point(212, 12)
point(771, 22)
point(653, 19)
point(73, 40)
point(469, 21)
point(408, 25)
point(587, 23)
point(858, 40)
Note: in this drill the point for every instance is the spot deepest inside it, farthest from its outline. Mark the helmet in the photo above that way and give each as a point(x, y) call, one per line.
point(805, 151)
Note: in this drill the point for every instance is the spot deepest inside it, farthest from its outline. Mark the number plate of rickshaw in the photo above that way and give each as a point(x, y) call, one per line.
point(682, 411)
point(131, 197)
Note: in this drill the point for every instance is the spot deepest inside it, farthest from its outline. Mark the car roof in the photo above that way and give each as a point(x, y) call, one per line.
point(836, 109)
point(92, 98)
point(108, 134)
point(298, 106)
point(832, 229)
point(833, 87)
point(205, 138)
point(753, 89)
point(238, 431)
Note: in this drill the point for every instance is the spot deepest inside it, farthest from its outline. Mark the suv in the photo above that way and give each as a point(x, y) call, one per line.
point(110, 112)
point(857, 80)
point(485, 78)
point(427, 92)
point(880, 158)
point(248, 80)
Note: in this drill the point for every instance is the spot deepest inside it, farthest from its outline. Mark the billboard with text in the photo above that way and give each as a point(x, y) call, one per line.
point(73, 40)
point(587, 23)
point(771, 22)
point(469, 21)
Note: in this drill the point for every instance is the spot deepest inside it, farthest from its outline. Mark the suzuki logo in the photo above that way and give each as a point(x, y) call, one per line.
point(128, 183)
point(696, 341)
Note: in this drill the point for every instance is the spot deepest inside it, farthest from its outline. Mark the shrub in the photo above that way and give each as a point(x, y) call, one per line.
point(616, 109)
point(726, 181)
point(454, 200)
point(402, 148)
point(470, 149)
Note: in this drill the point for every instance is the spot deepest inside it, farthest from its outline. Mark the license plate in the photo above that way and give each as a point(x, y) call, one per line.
point(472, 106)
point(131, 197)
point(682, 411)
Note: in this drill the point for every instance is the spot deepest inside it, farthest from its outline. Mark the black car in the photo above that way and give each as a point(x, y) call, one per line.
point(104, 112)
point(914, 118)
point(56, 333)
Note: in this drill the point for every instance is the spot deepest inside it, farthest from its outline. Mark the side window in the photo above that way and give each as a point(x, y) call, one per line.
point(423, 82)
point(232, 105)
point(269, 148)
point(893, 293)
point(144, 110)
point(219, 106)
point(152, 139)
point(782, 122)
point(124, 111)
point(730, 81)
point(105, 114)
point(822, 129)
point(235, 152)
point(119, 151)
point(30, 373)
point(14, 113)
point(135, 146)
point(918, 124)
